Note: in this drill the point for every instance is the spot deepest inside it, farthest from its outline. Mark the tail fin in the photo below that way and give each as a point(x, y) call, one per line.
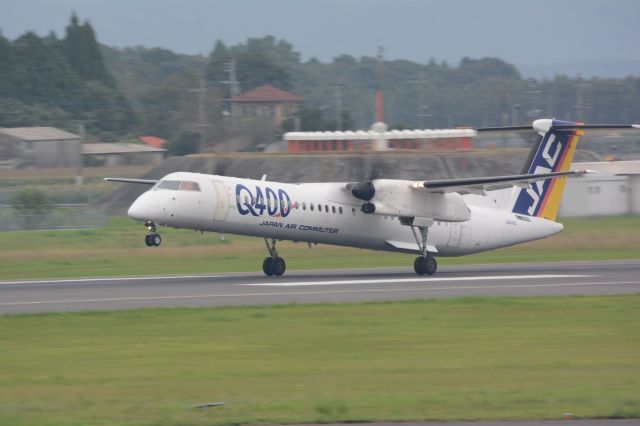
point(553, 153)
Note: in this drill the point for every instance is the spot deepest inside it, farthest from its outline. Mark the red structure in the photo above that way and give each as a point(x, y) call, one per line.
point(153, 141)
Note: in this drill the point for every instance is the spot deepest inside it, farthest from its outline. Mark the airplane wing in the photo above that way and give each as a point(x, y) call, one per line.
point(483, 184)
point(127, 180)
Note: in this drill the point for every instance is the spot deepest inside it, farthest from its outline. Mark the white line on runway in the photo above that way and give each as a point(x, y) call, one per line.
point(303, 293)
point(412, 280)
point(140, 278)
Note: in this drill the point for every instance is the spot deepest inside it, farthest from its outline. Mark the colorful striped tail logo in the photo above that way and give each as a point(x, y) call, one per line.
point(554, 153)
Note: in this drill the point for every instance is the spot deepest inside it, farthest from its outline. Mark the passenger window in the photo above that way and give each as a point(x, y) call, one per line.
point(304, 206)
point(326, 208)
point(189, 186)
point(169, 184)
point(333, 209)
point(311, 206)
point(340, 209)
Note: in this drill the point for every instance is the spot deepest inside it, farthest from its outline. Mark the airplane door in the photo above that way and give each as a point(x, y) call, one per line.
point(222, 201)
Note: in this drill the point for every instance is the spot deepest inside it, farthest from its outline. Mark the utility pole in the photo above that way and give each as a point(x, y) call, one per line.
point(234, 85)
point(380, 69)
point(421, 97)
point(79, 159)
point(234, 88)
point(338, 98)
point(202, 119)
point(579, 100)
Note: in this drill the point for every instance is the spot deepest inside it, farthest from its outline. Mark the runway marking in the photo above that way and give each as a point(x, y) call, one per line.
point(301, 293)
point(106, 279)
point(412, 280)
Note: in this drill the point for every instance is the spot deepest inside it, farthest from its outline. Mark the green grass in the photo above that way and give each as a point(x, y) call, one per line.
point(118, 249)
point(457, 359)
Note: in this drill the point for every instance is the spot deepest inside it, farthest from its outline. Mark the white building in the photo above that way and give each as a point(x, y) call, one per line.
point(614, 190)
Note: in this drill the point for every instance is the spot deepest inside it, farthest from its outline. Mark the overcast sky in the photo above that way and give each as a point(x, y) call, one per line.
point(534, 35)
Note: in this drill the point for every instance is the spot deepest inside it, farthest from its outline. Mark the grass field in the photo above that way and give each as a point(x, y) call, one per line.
point(118, 249)
point(466, 358)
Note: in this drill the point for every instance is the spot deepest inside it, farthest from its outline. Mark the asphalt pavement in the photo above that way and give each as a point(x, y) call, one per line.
point(316, 286)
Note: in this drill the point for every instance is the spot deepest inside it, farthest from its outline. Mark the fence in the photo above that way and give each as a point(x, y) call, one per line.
point(61, 217)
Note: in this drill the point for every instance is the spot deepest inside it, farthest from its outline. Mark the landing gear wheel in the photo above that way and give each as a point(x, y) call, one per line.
point(431, 265)
point(274, 266)
point(152, 240)
point(268, 266)
point(419, 265)
point(279, 266)
point(425, 265)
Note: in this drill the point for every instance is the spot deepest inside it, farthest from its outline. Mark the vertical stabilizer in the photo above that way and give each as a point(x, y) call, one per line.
point(553, 153)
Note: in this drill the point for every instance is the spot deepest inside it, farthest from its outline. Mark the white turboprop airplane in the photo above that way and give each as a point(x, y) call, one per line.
point(429, 218)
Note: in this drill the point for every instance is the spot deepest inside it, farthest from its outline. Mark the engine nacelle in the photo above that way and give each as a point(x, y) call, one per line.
point(401, 198)
point(362, 190)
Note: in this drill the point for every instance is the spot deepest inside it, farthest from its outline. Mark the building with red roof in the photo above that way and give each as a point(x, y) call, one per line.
point(153, 141)
point(266, 101)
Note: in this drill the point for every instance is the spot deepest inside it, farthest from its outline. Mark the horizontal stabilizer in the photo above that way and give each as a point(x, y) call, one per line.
point(127, 180)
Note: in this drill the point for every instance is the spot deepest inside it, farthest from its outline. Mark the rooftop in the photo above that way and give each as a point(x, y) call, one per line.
point(267, 93)
point(38, 133)
point(153, 141)
point(117, 148)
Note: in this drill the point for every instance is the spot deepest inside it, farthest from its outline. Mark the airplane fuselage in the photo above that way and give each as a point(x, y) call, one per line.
point(326, 213)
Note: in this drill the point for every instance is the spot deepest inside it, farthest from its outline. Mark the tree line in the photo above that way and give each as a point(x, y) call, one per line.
point(138, 90)
point(53, 81)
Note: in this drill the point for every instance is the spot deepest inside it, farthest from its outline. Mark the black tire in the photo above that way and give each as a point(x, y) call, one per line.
point(431, 265)
point(156, 240)
point(147, 240)
point(268, 266)
point(419, 265)
point(279, 266)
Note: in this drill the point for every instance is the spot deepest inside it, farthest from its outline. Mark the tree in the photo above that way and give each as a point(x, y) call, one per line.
point(216, 70)
point(83, 52)
point(186, 143)
point(255, 70)
point(258, 62)
point(30, 205)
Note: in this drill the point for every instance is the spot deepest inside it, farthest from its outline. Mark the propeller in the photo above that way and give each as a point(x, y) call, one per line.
point(362, 190)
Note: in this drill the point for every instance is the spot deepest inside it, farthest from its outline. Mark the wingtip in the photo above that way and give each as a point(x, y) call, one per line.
point(636, 126)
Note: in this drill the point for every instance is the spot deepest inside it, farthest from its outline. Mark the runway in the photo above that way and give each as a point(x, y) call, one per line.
point(346, 285)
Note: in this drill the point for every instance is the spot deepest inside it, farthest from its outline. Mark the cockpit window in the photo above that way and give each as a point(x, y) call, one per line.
point(182, 185)
point(169, 184)
point(189, 186)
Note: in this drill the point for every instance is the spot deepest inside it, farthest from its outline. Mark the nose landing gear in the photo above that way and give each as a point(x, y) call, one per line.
point(152, 238)
point(273, 265)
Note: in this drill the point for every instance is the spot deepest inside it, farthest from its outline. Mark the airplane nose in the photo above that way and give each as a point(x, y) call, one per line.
point(138, 210)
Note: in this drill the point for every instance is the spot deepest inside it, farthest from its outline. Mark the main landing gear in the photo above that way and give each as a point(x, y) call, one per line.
point(273, 265)
point(426, 263)
point(152, 238)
